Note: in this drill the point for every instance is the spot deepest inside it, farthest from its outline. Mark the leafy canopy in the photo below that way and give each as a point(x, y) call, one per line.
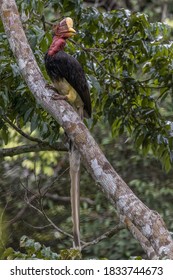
point(128, 62)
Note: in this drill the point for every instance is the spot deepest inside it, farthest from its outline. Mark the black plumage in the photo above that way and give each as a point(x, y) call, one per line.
point(62, 65)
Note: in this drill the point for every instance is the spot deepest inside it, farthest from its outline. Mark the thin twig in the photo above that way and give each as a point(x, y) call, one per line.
point(36, 227)
point(42, 212)
point(57, 197)
point(34, 139)
point(107, 234)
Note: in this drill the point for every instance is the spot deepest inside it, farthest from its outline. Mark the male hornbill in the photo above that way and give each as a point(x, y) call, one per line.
point(66, 72)
point(70, 82)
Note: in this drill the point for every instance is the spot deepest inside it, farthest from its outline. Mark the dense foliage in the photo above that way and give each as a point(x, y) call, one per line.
point(128, 62)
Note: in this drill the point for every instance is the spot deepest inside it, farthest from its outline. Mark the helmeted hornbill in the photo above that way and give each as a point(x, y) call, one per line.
point(70, 82)
point(65, 71)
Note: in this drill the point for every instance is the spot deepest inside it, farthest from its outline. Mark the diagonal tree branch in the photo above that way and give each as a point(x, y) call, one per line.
point(148, 222)
point(145, 244)
point(20, 131)
point(40, 146)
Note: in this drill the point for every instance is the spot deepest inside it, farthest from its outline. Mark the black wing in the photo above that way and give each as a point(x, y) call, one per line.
point(63, 65)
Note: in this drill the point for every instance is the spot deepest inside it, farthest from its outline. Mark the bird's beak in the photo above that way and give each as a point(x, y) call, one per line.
point(65, 28)
point(72, 31)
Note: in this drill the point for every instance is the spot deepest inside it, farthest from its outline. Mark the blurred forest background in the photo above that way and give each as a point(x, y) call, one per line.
point(126, 51)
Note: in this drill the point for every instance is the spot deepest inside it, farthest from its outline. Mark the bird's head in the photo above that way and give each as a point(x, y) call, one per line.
point(64, 29)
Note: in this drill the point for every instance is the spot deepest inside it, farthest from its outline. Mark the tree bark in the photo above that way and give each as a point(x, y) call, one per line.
point(147, 222)
point(10, 152)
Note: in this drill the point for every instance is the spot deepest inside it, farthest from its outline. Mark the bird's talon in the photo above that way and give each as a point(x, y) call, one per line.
point(57, 96)
point(51, 87)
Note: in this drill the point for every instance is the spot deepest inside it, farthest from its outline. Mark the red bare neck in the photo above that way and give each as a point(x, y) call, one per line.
point(58, 44)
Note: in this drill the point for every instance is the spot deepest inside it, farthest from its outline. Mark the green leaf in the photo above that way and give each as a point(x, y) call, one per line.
point(34, 122)
point(4, 134)
point(28, 114)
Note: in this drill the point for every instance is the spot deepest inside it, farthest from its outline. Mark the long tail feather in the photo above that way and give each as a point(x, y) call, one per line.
point(74, 158)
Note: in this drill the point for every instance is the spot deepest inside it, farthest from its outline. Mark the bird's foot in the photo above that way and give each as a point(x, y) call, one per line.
point(57, 96)
point(49, 86)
